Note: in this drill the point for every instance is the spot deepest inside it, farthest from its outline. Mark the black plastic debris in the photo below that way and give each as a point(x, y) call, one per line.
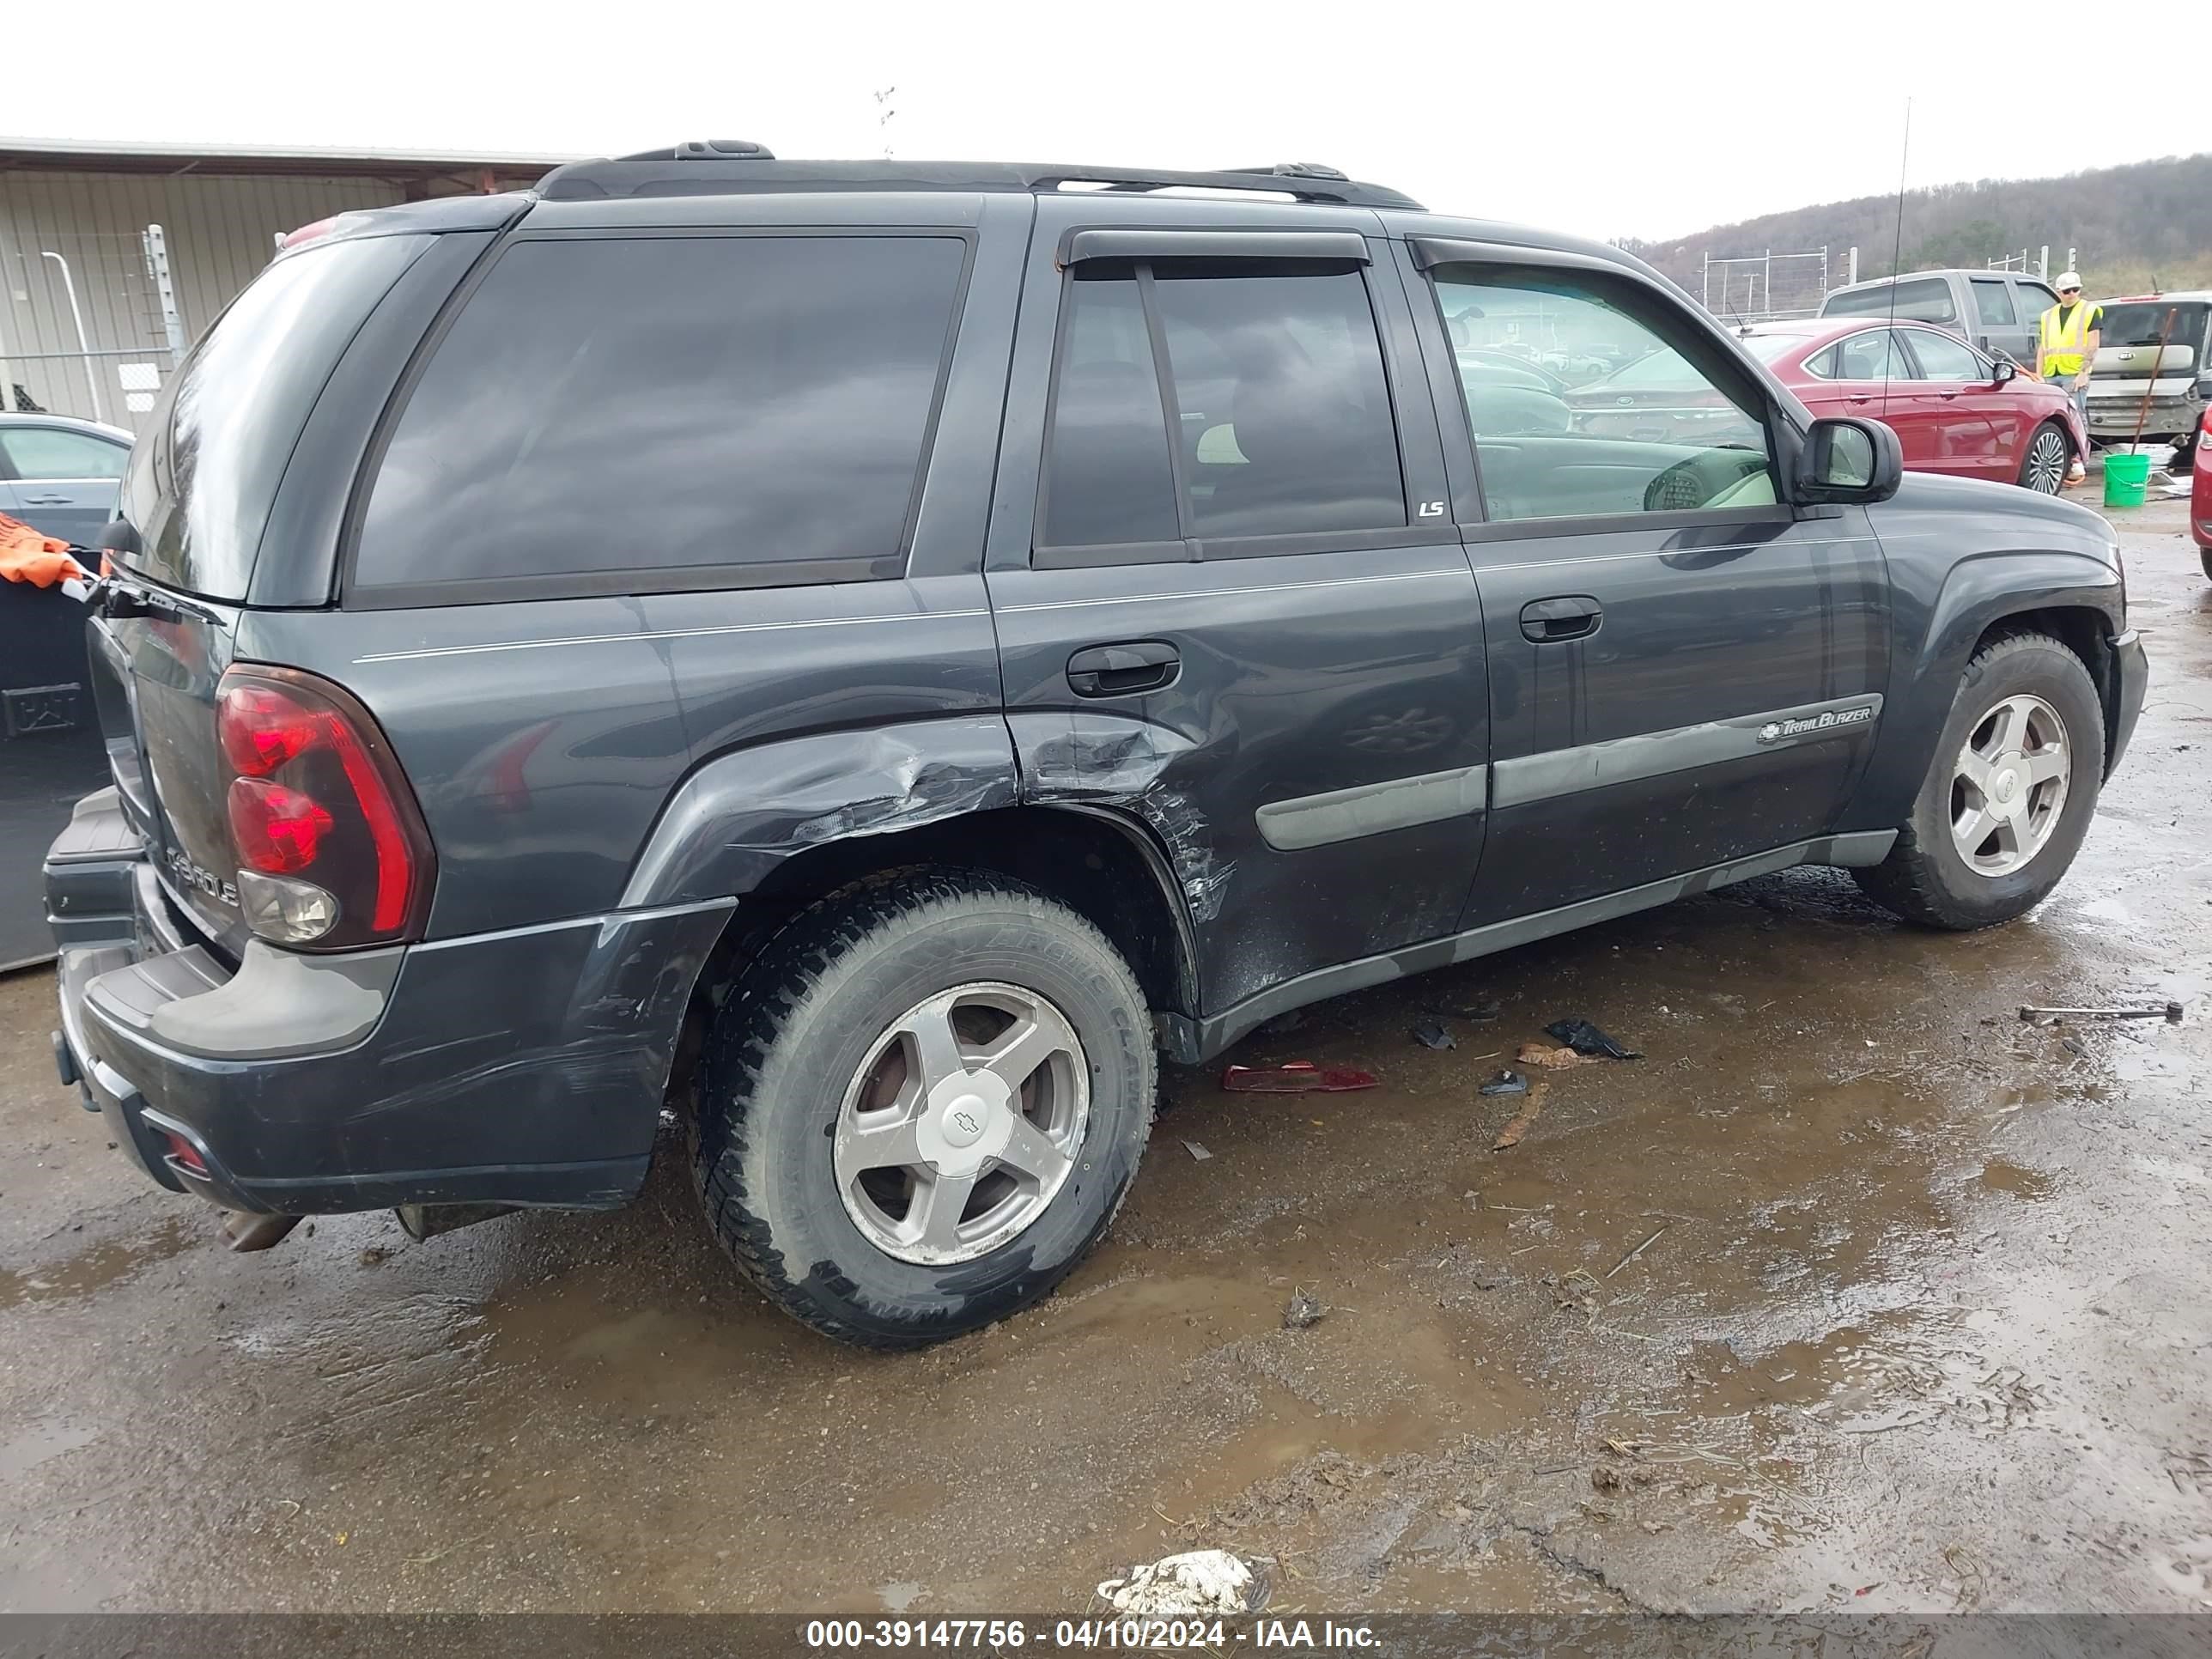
point(1585, 1038)
point(1475, 1010)
point(1505, 1083)
point(1303, 1312)
point(1431, 1034)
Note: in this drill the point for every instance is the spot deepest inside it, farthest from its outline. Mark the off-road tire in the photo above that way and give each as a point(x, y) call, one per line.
point(790, 1039)
point(2028, 457)
point(1925, 879)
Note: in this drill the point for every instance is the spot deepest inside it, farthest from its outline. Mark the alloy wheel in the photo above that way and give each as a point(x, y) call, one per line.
point(2046, 463)
point(962, 1124)
point(2009, 786)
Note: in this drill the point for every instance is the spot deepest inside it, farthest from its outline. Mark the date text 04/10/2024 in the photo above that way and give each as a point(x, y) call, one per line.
point(998, 1635)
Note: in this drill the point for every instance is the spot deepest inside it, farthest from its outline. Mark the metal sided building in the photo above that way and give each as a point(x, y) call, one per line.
point(113, 259)
point(96, 303)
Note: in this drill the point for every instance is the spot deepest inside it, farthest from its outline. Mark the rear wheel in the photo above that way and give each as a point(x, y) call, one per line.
point(923, 1106)
point(2008, 795)
point(2043, 464)
point(2204, 558)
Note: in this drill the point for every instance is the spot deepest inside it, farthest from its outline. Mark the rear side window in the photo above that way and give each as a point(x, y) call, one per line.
point(1943, 358)
point(51, 451)
point(1108, 475)
point(199, 489)
point(611, 415)
point(1281, 399)
point(1276, 419)
point(1993, 300)
point(1872, 355)
point(1924, 300)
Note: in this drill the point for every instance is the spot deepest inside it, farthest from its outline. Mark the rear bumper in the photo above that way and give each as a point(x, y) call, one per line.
point(2133, 668)
point(524, 1067)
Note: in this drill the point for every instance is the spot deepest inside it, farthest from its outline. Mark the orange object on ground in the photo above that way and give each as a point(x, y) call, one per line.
point(26, 555)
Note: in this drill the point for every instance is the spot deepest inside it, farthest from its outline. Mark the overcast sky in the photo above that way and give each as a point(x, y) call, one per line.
point(1605, 119)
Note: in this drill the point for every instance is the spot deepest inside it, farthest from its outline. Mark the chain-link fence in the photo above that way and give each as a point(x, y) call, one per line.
point(88, 325)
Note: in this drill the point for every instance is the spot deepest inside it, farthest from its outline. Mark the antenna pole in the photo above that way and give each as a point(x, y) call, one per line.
point(1896, 254)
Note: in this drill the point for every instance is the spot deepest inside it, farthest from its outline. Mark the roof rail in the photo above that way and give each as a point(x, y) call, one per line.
point(730, 167)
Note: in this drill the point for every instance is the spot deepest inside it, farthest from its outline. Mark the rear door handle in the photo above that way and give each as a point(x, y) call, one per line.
point(1123, 670)
point(48, 500)
point(1548, 621)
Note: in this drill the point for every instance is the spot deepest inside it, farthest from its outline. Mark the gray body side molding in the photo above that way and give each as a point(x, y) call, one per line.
point(1289, 826)
point(1684, 749)
point(741, 814)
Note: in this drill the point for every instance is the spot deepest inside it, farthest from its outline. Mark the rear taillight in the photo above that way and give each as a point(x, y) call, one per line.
point(331, 848)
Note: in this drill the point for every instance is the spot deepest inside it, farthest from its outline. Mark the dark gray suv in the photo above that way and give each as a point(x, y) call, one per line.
point(868, 655)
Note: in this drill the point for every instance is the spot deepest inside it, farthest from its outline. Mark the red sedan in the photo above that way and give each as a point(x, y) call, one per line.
point(1954, 408)
point(2200, 495)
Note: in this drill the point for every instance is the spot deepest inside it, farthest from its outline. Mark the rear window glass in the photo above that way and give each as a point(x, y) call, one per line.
point(199, 490)
point(607, 407)
point(1926, 299)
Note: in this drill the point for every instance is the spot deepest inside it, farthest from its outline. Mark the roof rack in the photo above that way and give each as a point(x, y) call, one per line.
point(728, 167)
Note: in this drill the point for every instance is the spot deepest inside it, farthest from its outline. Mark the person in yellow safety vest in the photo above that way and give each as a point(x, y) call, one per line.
point(2066, 343)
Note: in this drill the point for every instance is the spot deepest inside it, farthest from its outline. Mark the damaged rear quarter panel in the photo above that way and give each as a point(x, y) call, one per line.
point(740, 815)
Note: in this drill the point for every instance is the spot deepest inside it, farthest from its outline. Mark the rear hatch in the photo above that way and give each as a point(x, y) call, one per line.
point(2131, 330)
point(195, 502)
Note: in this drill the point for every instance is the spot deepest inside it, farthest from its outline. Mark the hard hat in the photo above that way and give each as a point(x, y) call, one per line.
point(2069, 279)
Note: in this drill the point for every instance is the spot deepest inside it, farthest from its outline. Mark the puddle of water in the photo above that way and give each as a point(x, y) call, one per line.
point(99, 1268)
point(2001, 1177)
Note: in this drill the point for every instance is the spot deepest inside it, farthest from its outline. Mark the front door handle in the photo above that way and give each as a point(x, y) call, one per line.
point(1549, 621)
point(48, 500)
point(1123, 670)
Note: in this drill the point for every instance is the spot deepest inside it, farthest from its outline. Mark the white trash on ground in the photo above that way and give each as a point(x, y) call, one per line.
point(1197, 1584)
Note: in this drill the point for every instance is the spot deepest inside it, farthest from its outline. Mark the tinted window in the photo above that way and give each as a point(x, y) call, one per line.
point(1943, 358)
point(46, 452)
point(1680, 427)
point(199, 490)
point(1285, 421)
point(1993, 300)
point(1107, 476)
point(1871, 355)
point(612, 407)
point(1926, 300)
point(2035, 299)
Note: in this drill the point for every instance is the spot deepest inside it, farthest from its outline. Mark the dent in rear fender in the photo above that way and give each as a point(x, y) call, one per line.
point(1076, 757)
point(741, 814)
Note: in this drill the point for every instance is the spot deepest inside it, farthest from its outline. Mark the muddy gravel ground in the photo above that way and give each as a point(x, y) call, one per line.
point(1855, 1291)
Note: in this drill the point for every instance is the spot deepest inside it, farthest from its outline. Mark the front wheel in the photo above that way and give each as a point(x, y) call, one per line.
point(2008, 796)
point(923, 1106)
point(2043, 464)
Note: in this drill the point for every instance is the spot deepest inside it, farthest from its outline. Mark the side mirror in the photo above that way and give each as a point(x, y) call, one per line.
point(1851, 461)
point(2003, 370)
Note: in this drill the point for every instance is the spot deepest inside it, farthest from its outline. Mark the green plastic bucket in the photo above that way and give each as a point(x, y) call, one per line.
point(2125, 478)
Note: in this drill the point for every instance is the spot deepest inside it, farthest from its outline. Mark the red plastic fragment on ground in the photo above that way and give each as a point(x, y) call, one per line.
point(1298, 1077)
